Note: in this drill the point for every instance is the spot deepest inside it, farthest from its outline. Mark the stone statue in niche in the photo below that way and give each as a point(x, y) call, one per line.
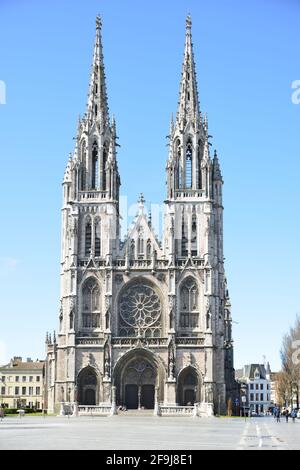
point(171, 361)
point(107, 312)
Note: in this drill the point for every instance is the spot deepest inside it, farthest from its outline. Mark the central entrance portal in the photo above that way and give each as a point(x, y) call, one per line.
point(138, 387)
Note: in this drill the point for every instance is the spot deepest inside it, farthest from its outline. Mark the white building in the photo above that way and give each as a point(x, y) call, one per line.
point(257, 378)
point(142, 321)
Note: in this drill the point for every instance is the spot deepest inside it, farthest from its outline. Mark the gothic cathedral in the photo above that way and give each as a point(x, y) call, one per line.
point(143, 323)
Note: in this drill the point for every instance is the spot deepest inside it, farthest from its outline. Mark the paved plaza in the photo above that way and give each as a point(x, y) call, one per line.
point(148, 433)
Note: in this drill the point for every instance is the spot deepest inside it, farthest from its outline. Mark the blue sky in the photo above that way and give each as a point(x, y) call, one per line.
point(247, 56)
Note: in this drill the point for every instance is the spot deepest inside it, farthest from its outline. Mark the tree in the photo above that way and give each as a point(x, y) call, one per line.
point(290, 375)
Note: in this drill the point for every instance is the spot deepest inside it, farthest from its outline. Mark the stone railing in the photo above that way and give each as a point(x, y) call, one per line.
point(89, 195)
point(131, 342)
point(189, 193)
point(90, 341)
point(88, 410)
point(166, 410)
point(197, 262)
point(189, 341)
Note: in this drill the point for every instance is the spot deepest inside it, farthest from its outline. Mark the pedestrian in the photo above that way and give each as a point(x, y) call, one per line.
point(287, 415)
point(1, 414)
point(293, 415)
point(278, 414)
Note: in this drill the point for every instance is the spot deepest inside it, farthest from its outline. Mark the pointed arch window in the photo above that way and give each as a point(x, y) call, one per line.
point(178, 164)
point(189, 305)
point(95, 166)
point(141, 245)
point(88, 238)
point(104, 160)
point(188, 165)
point(83, 166)
point(91, 304)
point(199, 156)
point(132, 249)
point(184, 238)
point(194, 250)
point(149, 249)
point(97, 238)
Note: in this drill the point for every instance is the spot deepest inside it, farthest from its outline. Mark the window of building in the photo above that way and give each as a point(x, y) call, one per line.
point(23, 390)
point(256, 386)
point(194, 236)
point(149, 249)
point(83, 167)
point(38, 391)
point(9, 390)
point(38, 378)
point(188, 165)
point(24, 378)
point(3, 378)
point(252, 397)
point(17, 378)
point(95, 166)
point(251, 386)
point(189, 308)
point(261, 397)
point(88, 238)
point(104, 160)
point(2, 390)
point(140, 245)
point(257, 397)
point(261, 386)
point(91, 304)
point(30, 378)
point(17, 391)
point(97, 237)
point(30, 390)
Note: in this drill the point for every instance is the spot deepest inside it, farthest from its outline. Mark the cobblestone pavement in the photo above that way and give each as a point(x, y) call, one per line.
point(147, 432)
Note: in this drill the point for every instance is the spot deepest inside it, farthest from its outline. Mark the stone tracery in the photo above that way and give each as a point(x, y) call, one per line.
point(140, 311)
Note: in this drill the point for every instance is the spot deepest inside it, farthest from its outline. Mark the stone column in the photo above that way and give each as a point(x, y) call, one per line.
point(113, 410)
point(156, 404)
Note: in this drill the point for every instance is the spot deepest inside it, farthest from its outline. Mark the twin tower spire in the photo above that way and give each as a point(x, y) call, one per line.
point(189, 146)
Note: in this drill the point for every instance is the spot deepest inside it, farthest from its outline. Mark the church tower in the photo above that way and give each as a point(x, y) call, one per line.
point(142, 323)
point(193, 236)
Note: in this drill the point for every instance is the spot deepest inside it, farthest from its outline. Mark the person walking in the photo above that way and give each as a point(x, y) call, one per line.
point(1, 414)
point(278, 414)
point(293, 415)
point(287, 415)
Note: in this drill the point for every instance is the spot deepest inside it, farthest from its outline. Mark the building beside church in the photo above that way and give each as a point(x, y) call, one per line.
point(256, 380)
point(22, 384)
point(142, 321)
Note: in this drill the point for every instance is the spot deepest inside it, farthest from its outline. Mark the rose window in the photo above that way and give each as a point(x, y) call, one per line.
point(140, 309)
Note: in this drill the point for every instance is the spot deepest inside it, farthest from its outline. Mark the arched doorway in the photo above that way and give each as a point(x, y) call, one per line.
point(136, 375)
point(188, 391)
point(139, 379)
point(87, 387)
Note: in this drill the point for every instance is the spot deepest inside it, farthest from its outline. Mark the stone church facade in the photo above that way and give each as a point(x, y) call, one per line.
point(142, 322)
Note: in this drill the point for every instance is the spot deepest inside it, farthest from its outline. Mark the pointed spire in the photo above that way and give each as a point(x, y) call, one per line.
point(150, 217)
point(141, 204)
point(97, 109)
point(217, 175)
point(171, 126)
point(188, 106)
